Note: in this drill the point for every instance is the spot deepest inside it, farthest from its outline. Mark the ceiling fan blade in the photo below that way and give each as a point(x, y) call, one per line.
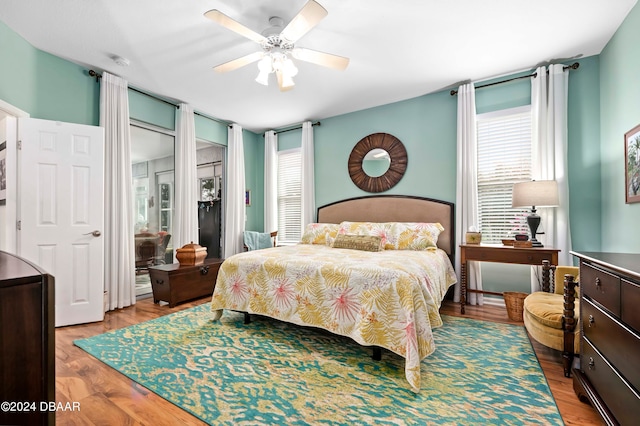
point(240, 62)
point(233, 25)
point(281, 82)
point(308, 17)
point(320, 58)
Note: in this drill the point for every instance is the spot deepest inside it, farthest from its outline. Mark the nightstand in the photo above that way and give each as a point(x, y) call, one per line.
point(500, 254)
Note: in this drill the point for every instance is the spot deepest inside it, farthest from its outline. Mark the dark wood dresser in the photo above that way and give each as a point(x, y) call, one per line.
point(177, 283)
point(27, 342)
point(609, 374)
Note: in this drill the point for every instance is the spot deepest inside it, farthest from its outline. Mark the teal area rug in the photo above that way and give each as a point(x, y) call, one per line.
point(269, 372)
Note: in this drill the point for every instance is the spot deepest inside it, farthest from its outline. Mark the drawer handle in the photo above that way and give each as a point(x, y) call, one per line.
point(592, 364)
point(159, 281)
point(204, 270)
point(598, 282)
point(592, 320)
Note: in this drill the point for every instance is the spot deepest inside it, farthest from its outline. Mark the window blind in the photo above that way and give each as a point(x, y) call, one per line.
point(504, 158)
point(289, 196)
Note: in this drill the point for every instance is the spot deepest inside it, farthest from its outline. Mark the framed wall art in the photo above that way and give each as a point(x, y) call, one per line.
point(632, 165)
point(3, 173)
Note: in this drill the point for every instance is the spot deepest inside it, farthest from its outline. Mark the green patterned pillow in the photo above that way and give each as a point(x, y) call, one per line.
point(397, 235)
point(320, 233)
point(358, 242)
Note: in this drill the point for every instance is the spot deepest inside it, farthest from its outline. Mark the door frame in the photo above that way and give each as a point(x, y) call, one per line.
point(11, 113)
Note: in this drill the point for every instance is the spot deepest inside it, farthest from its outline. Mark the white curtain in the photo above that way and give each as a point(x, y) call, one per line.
point(467, 187)
point(270, 181)
point(308, 182)
point(185, 224)
point(549, 154)
point(235, 195)
point(119, 256)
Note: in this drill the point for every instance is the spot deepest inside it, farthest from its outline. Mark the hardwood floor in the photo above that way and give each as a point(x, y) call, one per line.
point(107, 397)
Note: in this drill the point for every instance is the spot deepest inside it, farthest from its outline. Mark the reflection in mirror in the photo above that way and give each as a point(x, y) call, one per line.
point(376, 162)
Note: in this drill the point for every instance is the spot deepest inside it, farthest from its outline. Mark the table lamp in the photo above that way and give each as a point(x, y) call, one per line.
point(537, 193)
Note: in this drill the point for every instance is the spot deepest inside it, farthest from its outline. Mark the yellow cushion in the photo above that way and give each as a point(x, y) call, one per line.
point(561, 271)
point(546, 308)
point(550, 337)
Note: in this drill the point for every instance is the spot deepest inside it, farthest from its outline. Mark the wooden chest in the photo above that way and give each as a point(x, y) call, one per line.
point(177, 283)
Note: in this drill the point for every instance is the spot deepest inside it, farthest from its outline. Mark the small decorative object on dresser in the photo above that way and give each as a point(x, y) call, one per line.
point(609, 377)
point(177, 283)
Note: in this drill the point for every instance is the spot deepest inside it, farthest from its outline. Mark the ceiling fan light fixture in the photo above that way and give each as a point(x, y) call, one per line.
point(287, 81)
point(263, 77)
point(289, 68)
point(266, 64)
point(278, 45)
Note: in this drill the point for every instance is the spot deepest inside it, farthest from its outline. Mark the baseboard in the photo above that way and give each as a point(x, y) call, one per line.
point(494, 301)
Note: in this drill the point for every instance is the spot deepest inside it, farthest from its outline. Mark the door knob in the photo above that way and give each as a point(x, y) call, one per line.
point(95, 233)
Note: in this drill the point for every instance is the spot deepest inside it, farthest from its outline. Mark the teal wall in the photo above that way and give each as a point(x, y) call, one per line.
point(44, 85)
point(151, 110)
point(253, 145)
point(620, 112)
point(211, 130)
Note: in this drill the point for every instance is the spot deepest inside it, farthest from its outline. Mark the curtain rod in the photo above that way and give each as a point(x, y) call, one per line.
point(573, 66)
point(98, 76)
point(317, 123)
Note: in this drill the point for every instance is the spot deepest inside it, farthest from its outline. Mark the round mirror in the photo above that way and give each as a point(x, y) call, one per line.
point(377, 162)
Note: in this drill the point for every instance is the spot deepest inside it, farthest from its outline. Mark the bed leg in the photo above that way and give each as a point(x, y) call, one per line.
point(247, 318)
point(377, 353)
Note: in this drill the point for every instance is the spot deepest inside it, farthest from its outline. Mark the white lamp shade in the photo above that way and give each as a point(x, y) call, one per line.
point(538, 193)
point(263, 78)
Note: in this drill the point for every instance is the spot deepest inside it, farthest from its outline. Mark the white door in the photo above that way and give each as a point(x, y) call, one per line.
point(60, 209)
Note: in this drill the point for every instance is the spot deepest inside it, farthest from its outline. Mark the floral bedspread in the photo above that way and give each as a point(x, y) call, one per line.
point(389, 298)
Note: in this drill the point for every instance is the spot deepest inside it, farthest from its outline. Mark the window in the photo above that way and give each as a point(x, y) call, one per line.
point(289, 196)
point(165, 191)
point(504, 158)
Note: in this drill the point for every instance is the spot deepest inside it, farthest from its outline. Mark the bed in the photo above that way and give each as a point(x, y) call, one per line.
point(375, 269)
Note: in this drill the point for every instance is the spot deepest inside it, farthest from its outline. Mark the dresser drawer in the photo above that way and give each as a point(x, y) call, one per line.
point(620, 398)
point(630, 304)
point(614, 341)
point(600, 286)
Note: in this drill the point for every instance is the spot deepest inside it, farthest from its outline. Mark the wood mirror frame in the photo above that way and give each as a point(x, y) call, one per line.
point(398, 166)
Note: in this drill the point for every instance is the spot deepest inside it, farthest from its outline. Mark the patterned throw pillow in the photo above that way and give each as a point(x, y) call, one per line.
point(320, 233)
point(397, 235)
point(358, 242)
point(418, 236)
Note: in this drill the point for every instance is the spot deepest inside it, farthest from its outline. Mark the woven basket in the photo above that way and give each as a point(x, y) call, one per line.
point(514, 301)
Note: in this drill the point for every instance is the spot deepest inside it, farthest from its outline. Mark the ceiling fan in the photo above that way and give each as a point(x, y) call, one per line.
point(279, 46)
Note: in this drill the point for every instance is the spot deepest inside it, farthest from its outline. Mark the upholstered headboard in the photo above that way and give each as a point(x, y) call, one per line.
point(394, 208)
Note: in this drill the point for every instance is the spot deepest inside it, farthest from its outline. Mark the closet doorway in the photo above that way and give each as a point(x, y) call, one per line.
point(210, 163)
point(152, 172)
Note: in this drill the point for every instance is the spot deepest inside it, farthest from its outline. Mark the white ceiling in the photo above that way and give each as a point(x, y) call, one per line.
point(399, 49)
